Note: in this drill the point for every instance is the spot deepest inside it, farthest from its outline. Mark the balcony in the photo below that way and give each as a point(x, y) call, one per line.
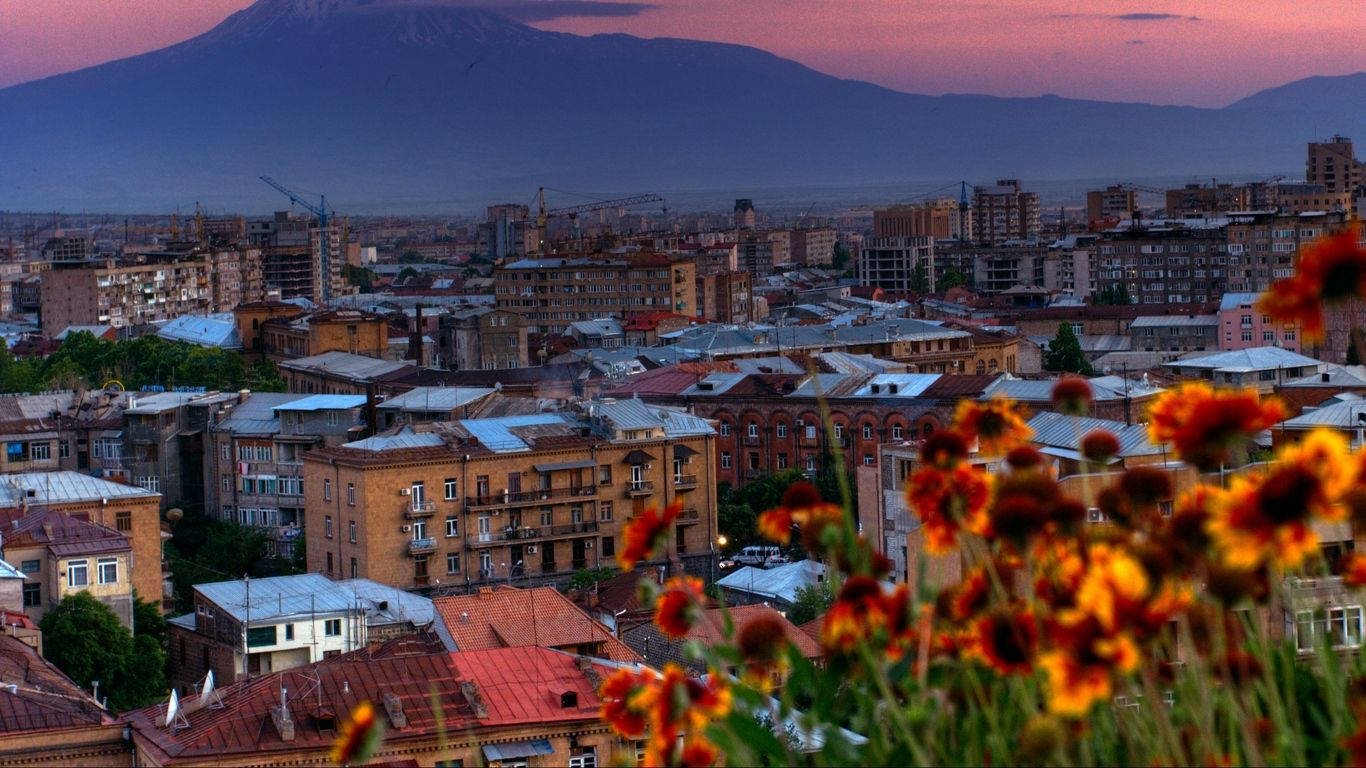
point(752, 440)
point(422, 546)
point(523, 498)
point(685, 481)
point(689, 516)
point(419, 509)
point(640, 488)
point(532, 534)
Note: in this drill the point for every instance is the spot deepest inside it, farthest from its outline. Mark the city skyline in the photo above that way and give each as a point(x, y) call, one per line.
point(1161, 51)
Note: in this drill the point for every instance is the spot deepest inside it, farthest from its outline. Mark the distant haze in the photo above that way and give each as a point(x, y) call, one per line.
point(1199, 52)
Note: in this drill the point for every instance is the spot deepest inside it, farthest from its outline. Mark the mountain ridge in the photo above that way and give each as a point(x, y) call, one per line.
point(438, 102)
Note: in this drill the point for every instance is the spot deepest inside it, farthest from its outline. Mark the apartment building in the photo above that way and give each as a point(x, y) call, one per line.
point(524, 500)
point(781, 242)
point(163, 441)
point(60, 555)
point(483, 339)
point(814, 246)
point(341, 373)
point(726, 297)
point(247, 628)
point(49, 720)
point(292, 256)
point(942, 219)
point(140, 289)
point(896, 264)
point(755, 255)
point(1260, 368)
point(1201, 200)
point(1332, 163)
point(551, 293)
point(1004, 211)
point(1241, 326)
point(237, 276)
point(312, 333)
point(253, 465)
point(1175, 333)
point(1263, 246)
point(1117, 201)
point(1168, 262)
point(130, 511)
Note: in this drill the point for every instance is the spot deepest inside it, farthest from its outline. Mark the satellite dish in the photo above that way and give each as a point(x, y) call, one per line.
point(172, 709)
point(208, 684)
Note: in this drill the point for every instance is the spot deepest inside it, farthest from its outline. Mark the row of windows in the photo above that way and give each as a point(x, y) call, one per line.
point(78, 572)
point(19, 452)
point(780, 429)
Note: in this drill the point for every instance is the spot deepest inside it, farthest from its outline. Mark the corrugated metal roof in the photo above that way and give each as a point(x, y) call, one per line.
point(1237, 300)
point(64, 486)
point(422, 399)
point(218, 330)
point(346, 364)
point(495, 434)
point(1246, 360)
point(1164, 321)
point(1057, 430)
point(781, 582)
point(404, 438)
point(1336, 376)
point(906, 385)
point(256, 416)
point(1344, 415)
point(281, 597)
point(323, 403)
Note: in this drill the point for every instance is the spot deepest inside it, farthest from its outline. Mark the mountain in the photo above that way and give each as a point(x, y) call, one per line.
point(393, 105)
point(1316, 94)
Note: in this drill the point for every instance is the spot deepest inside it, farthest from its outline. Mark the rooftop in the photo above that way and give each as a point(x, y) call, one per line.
point(1246, 360)
point(64, 487)
point(1058, 434)
point(510, 617)
point(42, 697)
point(219, 330)
point(433, 399)
point(348, 366)
point(306, 594)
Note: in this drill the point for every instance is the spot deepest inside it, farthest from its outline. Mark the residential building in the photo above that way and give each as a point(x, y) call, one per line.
point(1260, 368)
point(643, 330)
point(341, 373)
point(1345, 414)
point(744, 214)
point(553, 292)
point(755, 255)
point(483, 338)
point(130, 511)
point(246, 628)
point(251, 315)
point(943, 219)
point(422, 405)
point(1332, 163)
point(508, 617)
point(297, 259)
point(899, 265)
point(1200, 200)
point(1242, 326)
point(307, 334)
point(253, 466)
point(528, 499)
point(599, 333)
point(60, 555)
point(163, 441)
point(1117, 201)
point(46, 719)
point(1004, 212)
point(1168, 262)
point(504, 706)
point(813, 246)
point(659, 649)
point(136, 290)
point(782, 245)
point(1175, 333)
point(726, 297)
point(236, 276)
point(1263, 246)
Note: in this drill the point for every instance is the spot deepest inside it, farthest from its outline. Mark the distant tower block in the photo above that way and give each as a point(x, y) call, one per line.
point(744, 213)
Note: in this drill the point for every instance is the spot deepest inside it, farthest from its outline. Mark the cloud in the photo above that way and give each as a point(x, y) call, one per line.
point(1135, 42)
point(548, 10)
point(1152, 17)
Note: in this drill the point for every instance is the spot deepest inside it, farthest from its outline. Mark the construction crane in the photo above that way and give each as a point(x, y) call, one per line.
point(572, 211)
point(1141, 188)
point(324, 242)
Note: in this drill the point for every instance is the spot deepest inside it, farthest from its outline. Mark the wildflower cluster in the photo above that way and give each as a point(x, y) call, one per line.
point(1329, 271)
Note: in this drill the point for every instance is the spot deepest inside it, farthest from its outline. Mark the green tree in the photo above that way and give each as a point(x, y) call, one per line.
point(205, 549)
point(810, 601)
point(920, 279)
point(84, 639)
point(840, 257)
point(362, 278)
point(952, 278)
point(148, 621)
point(406, 273)
point(1113, 294)
point(1064, 353)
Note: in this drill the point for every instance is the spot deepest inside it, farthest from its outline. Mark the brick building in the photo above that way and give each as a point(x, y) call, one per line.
point(1004, 212)
point(726, 297)
point(1117, 201)
point(814, 246)
point(333, 330)
point(60, 555)
point(553, 292)
point(164, 441)
point(130, 291)
point(483, 338)
point(523, 499)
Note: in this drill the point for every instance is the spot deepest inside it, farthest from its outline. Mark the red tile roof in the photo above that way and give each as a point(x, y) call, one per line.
point(511, 617)
point(526, 685)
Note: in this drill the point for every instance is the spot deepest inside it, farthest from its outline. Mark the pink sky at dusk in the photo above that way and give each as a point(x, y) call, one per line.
point(1202, 52)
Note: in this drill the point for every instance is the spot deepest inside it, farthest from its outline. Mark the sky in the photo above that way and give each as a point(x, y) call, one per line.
point(1199, 52)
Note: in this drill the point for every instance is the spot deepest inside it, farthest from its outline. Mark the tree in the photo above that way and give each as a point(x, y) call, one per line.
point(1113, 294)
point(840, 257)
point(1064, 353)
point(810, 601)
point(207, 549)
point(84, 639)
point(952, 278)
point(920, 279)
point(362, 278)
point(407, 272)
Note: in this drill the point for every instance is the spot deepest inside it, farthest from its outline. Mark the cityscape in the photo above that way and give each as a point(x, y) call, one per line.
point(841, 443)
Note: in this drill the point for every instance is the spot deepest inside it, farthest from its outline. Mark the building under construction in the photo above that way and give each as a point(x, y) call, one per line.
point(291, 256)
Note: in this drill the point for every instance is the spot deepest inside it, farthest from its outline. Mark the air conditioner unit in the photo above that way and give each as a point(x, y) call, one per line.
point(407, 528)
point(531, 549)
point(405, 491)
point(1094, 515)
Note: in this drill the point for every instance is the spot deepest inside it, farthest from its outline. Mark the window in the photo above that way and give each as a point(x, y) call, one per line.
point(867, 432)
point(725, 459)
point(29, 566)
point(725, 429)
point(354, 570)
point(782, 461)
point(227, 483)
point(452, 526)
point(419, 530)
point(63, 450)
point(107, 570)
point(867, 459)
point(332, 628)
point(839, 431)
point(329, 562)
point(810, 463)
point(586, 758)
point(753, 429)
point(14, 452)
point(420, 569)
point(609, 546)
point(331, 418)
point(781, 429)
point(452, 563)
point(289, 631)
point(226, 451)
point(151, 483)
point(77, 573)
point(123, 521)
point(351, 530)
point(810, 431)
point(259, 636)
point(605, 475)
point(33, 595)
point(547, 516)
point(327, 489)
point(896, 432)
point(450, 489)
point(39, 451)
point(327, 526)
point(1342, 626)
point(605, 511)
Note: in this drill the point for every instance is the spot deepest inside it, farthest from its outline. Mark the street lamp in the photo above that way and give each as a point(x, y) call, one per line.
point(722, 541)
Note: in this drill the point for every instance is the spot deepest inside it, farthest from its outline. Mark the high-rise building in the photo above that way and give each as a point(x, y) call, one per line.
point(744, 213)
point(897, 264)
point(130, 291)
point(939, 219)
point(1197, 199)
point(756, 255)
point(1004, 212)
point(1116, 201)
point(551, 293)
point(505, 228)
point(726, 297)
point(814, 246)
point(1333, 164)
point(291, 254)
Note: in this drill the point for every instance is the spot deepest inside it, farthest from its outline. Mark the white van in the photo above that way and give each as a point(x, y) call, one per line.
point(761, 556)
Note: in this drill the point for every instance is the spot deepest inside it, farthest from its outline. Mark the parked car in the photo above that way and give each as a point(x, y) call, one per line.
point(760, 556)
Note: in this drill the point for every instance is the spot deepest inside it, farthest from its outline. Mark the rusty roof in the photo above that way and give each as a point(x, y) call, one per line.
point(64, 534)
point(43, 697)
point(510, 617)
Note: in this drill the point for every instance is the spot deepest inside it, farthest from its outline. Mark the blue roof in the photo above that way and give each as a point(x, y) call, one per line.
point(218, 330)
point(404, 438)
point(495, 434)
point(323, 403)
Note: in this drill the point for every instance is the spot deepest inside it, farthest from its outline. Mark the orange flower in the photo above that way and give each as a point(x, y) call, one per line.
point(699, 753)
point(645, 534)
point(1355, 574)
point(761, 640)
point(1204, 425)
point(359, 738)
point(801, 503)
point(1099, 445)
point(1268, 517)
point(1072, 686)
point(1005, 639)
point(1114, 584)
point(1072, 395)
point(995, 424)
point(619, 708)
point(666, 705)
point(947, 501)
point(776, 524)
point(679, 606)
point(1330, 269)
point(863, 613)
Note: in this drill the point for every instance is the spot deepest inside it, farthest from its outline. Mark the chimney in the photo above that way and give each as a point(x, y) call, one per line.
point(415, 339)
point(394, 708)
point(476, 702)
point(279, 716)
point(485, 593)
